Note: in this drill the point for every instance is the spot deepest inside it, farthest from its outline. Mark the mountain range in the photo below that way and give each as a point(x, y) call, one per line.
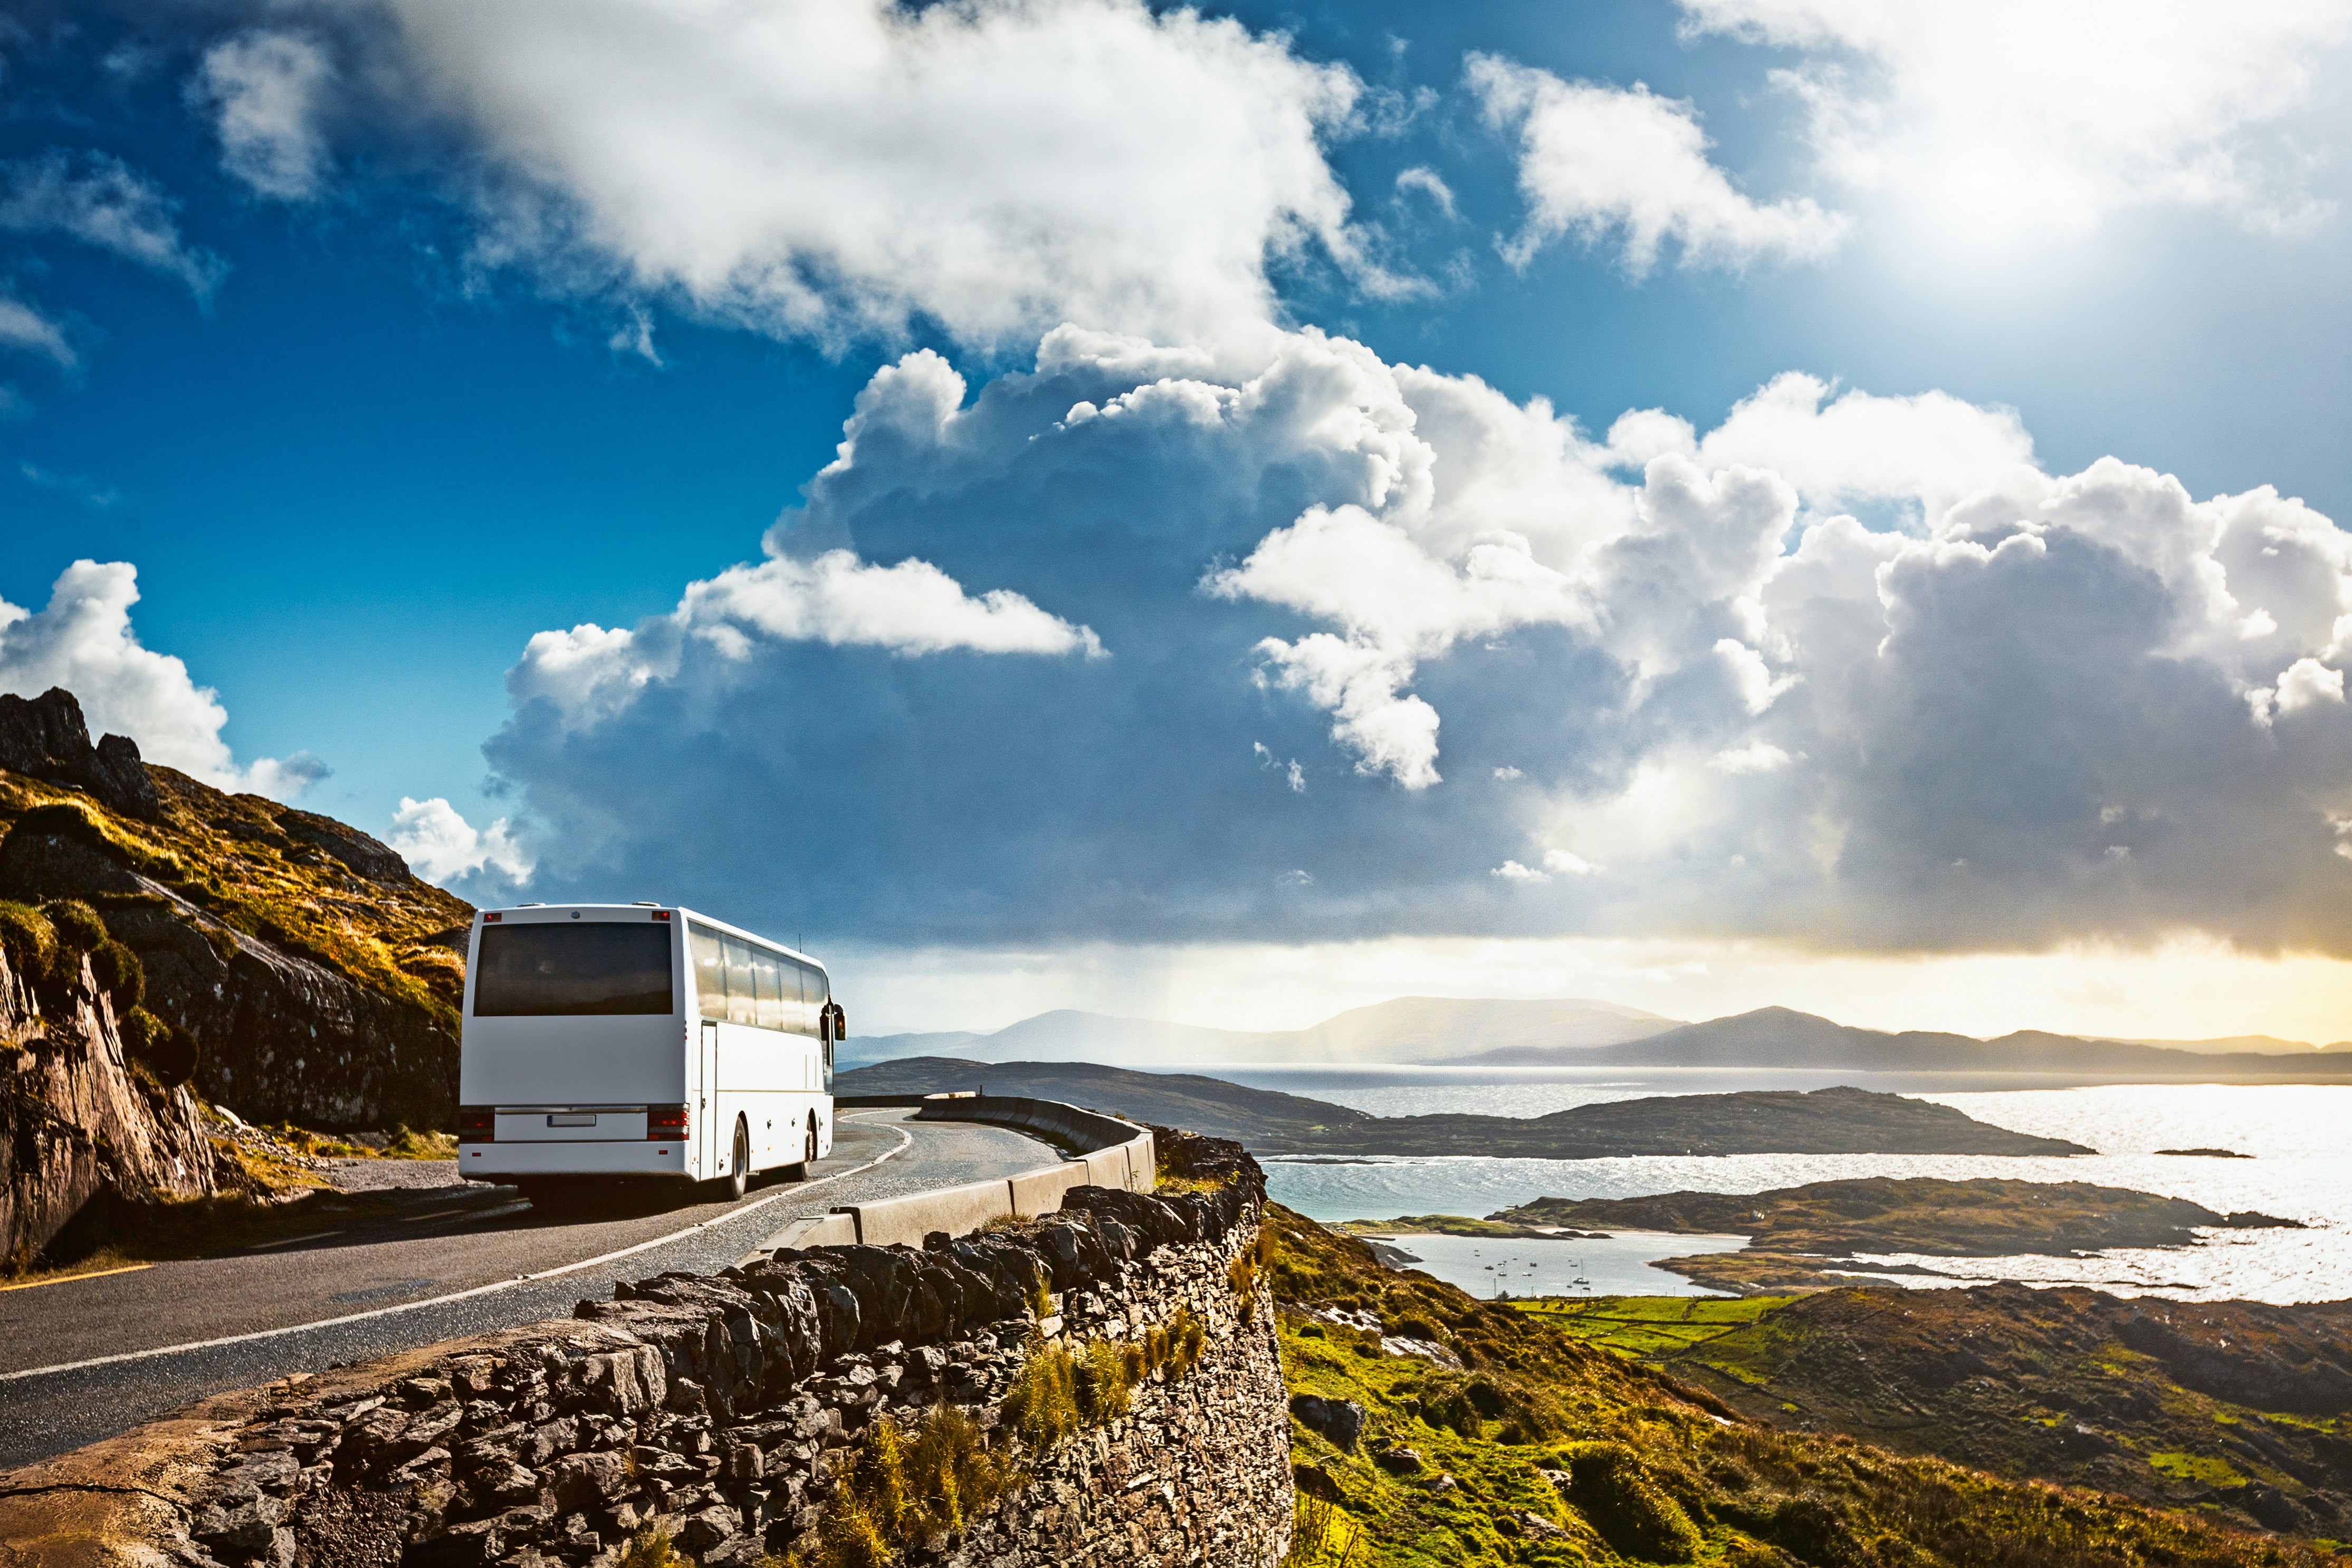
point(1782, 1037)
point(1582, 1033)
point(1405, 1029)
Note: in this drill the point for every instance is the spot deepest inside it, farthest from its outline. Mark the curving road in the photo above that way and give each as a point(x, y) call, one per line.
point(83, 1358)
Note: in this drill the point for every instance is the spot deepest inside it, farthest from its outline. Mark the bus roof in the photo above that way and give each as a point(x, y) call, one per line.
point(537, 912)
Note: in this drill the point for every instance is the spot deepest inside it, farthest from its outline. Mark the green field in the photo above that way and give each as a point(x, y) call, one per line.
point(1650, 1327)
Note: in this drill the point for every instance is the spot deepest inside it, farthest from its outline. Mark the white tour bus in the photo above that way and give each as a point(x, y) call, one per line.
point(605, 1041)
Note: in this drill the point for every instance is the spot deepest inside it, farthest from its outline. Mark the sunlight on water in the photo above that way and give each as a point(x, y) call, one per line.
point(2301, 1171)
point(1487, 1266)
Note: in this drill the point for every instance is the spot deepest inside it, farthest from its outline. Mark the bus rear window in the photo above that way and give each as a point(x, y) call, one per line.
point(590, 970)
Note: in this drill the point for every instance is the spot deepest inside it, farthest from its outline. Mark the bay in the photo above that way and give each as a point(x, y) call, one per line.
point(2297, 1134)
point(1489, 1267)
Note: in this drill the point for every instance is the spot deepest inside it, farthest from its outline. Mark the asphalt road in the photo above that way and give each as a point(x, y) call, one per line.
point(84, 1358)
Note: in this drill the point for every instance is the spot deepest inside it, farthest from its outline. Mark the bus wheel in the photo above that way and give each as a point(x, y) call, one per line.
point(737, 1180)
point(810, 1157)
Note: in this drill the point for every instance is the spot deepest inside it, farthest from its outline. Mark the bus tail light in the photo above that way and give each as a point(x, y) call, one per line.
point(665, 1123)
point(478, 1124)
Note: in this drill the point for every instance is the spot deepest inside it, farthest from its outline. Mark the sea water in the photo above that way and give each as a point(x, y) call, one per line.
point(2300, 1137)
point(1623, 1264)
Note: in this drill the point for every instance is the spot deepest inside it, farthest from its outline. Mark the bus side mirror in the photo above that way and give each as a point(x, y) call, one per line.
point(840, 1023)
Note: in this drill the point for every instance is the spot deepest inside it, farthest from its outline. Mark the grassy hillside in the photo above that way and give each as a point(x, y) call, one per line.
point(306, 975)
point(305, 884)
point(2235, 1406)
point(1541, 1448)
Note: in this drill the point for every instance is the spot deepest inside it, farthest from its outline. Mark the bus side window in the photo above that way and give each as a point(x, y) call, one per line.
point(813, 1000)
point(709, 972)
point(773, 1003)
point(742, 983)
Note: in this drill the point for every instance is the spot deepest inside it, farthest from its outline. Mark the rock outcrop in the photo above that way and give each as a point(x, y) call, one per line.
point(318, 977)
point(45, 737)
point(79, 1129)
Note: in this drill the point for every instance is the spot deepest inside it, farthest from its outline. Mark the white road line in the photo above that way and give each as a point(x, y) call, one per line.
point(905, 1141)
point(291, 1240)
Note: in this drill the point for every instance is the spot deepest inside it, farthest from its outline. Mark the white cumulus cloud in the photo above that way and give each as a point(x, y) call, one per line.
point(1603, 161)
point(1399, 605)
point(2307, 681)
point(442, 846)
point(1923, 727)
point(266, 90)
point(591, 672)
point(2019, 115)
point(83, 641)
point(837, 167)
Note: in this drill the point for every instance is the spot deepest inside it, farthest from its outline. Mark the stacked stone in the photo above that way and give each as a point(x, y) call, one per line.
point(1199, 1469)
point(720, 1408)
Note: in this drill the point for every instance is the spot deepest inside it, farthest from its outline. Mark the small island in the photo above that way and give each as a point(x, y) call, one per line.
point(2206, 1154)
point(1800, 1237)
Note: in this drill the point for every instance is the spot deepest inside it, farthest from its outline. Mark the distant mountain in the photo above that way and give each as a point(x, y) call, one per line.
point(1258, 1118)
point(1826, 1121)
point(1425, 1029)
point(2258, 1045)
point(1405, 1029)
point(1782, 1038)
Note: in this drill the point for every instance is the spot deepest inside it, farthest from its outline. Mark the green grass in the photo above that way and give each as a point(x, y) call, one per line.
point(1650, 1326)
point(2203, 1470)
point(228, 856)
point(1656, 1472)
point(928, 1475)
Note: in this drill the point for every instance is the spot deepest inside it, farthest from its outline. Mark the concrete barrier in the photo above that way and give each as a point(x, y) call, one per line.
point(1110, 1152)
point(958, 1211)
point(1040, 1191)
point(815, 1230)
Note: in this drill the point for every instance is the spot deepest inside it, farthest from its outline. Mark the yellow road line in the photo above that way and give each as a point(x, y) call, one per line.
point(69, 1279)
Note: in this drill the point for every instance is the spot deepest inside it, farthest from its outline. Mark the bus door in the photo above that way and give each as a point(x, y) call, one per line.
point(706, 1105)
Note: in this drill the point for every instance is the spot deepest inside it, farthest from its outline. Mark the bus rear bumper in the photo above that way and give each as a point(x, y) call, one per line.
point(505, 1162)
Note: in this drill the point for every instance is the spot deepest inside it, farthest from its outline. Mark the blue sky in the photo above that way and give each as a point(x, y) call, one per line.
point(381, 339)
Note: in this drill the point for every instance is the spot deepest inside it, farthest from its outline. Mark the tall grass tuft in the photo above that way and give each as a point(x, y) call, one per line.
point(28, 939)
point(76, 924)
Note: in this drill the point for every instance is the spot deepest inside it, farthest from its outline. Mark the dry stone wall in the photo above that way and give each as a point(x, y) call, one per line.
point(721, 1410)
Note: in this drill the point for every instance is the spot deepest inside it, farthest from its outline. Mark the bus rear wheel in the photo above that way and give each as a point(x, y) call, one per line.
point(737, 1180)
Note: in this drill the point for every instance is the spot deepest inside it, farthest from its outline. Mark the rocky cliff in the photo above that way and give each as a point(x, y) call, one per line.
point(79, 1127)
point(316, 976)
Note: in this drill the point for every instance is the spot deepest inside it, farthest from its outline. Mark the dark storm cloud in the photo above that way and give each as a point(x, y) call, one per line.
point(1017, 668)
